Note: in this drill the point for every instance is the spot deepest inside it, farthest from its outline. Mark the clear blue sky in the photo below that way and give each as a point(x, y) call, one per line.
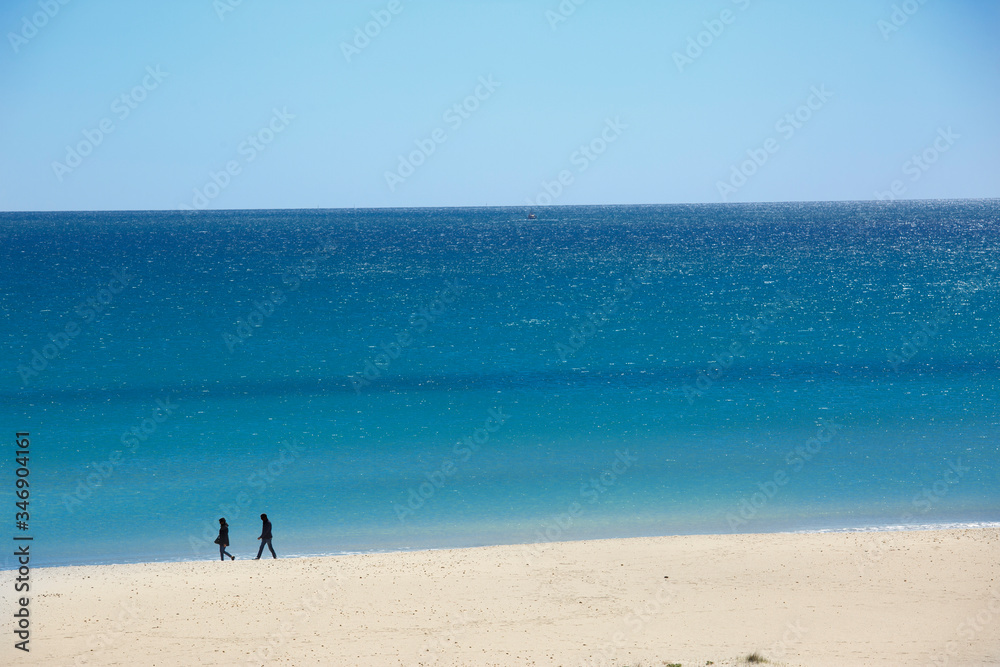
point(680, 130)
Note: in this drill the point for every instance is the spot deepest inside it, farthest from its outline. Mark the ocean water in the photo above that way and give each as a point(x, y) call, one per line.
point(423, 378)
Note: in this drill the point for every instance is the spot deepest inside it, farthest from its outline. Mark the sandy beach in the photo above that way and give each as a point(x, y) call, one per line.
point(893, 598)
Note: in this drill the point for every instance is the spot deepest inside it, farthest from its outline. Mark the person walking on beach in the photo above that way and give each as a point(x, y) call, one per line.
point(265, 538)
point(223, 540)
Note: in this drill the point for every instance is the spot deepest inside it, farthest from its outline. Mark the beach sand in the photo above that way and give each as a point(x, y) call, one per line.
point(890, 598)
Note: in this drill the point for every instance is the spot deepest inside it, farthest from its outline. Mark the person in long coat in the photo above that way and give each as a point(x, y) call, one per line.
point(223, 540)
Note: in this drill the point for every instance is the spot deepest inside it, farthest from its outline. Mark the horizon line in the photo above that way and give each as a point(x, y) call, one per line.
point(510, 206)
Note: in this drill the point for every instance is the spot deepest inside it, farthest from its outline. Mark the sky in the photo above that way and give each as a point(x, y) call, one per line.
point(235, 104)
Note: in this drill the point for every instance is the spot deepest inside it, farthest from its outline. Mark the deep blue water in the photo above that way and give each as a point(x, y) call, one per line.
point(653, 368)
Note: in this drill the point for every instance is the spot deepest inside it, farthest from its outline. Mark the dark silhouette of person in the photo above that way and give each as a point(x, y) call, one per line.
point(265, 538)
point(223, 540)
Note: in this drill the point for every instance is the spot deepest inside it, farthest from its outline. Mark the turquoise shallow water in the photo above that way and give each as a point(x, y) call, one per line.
point(400, 379)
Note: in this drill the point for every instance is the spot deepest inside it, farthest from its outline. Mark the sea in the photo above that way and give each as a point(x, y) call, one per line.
point(396, 379)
